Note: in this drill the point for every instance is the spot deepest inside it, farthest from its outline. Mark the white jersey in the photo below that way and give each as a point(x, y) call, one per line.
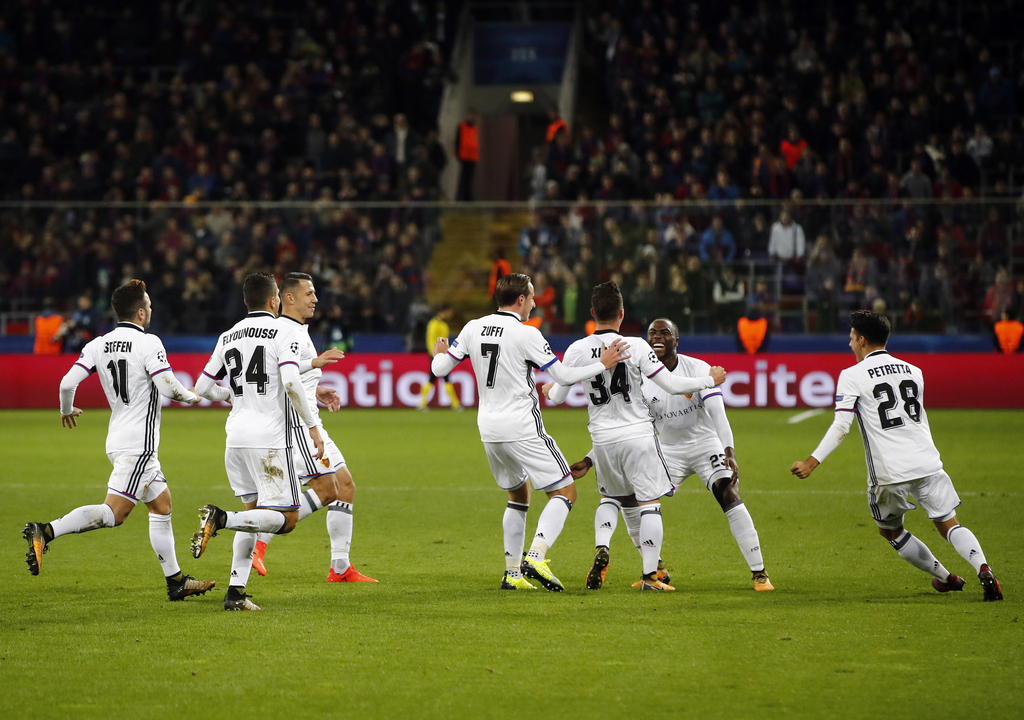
point(887, 397)
point(504, 353)
point(307, 353)
point(618, 409)
point(682, 419)
point(250, 355)
point(126, 359)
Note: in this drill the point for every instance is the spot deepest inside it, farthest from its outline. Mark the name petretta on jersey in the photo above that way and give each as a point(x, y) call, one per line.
point(889, 369)
point(117, 346)
point(491, 331)
point(251, 332)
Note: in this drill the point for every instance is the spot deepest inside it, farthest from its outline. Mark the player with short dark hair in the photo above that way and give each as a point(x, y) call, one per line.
point(260, 358)
point(329, 480)
point(133, 370)
point(626, 454)
point(886, 395)
point(696, 439)
point(505, 352)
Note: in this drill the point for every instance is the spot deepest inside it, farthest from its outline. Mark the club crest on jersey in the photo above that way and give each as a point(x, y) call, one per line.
point(688, 396)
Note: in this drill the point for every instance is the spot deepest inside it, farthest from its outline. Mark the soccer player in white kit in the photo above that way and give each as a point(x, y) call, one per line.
point(329, 480)
point(626, 454)
point(259, 357)
point(134, 373)
point(696, 438)
point(505, 352)
point(886, 395)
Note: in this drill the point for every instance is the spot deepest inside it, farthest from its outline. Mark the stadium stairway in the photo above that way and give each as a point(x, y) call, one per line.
point(460, 265)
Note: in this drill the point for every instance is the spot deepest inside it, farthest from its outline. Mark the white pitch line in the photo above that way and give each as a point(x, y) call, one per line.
point(800, 417)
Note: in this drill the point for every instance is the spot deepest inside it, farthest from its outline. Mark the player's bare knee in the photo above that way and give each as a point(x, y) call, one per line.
point(325, 489)
point(345, 487)
point(727, 494)
point(568, 492)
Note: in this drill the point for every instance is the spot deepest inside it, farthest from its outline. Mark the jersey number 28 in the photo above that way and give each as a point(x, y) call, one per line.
point(910, 394)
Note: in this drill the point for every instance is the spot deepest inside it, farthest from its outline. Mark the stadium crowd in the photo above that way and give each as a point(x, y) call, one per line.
point(898, 110)
point(231, 101)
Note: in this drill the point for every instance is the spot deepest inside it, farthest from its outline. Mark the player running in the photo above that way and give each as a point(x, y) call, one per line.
point(259, 356)
point(887, 397)
point(437, 328)
point(504, 353)
point(627, 455)
point(329, 481)
point(134, 373)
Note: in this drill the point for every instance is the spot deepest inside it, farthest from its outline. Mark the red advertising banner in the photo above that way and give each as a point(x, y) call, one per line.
point(374, 381)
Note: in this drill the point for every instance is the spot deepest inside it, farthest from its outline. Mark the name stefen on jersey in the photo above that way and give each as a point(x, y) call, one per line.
point(887, 397)
point(127, 359)
point(249, 355)
point(682, 419)
point(504, 353)
point(617, 408)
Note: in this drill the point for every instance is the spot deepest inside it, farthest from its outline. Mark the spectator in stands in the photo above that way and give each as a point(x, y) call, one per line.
point(998, 298)
point(467, 150)
point(81, 327)
point(729, 295)
point(786, 242)
point(717, 244)
point(535, 235)
point(915, 183)
point(48, 324)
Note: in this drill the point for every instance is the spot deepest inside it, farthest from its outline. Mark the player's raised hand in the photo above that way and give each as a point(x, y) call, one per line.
point(328, 398)
point(718, 374)
point(328, 357)
point(613, 354)
point(579, 469)
point(440, 346)
point(314, 434)
point(805, 468)
point(70, 421)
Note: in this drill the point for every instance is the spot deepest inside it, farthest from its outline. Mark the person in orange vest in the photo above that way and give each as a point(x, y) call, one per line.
point(1008, 334)
point(48, 324)
point(499, 269)
point(555, 124)
point(467, 148)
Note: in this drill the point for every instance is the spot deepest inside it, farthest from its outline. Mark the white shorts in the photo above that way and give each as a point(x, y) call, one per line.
point(267, 473)
point(538, 459)
point(706, 460)
point(136, 476)
point(934, 493)
point(631, 467)
point(304, 454)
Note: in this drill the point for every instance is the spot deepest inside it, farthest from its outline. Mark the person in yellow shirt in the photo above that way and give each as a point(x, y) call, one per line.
point(438, 328)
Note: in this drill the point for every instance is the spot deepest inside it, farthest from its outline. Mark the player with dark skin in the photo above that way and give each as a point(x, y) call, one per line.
point(803, 469)
point(663, 337)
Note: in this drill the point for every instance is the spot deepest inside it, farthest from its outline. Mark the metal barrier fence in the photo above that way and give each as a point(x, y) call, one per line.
point(941, 266)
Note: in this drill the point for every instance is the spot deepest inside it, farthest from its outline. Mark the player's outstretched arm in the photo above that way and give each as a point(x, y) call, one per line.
point(71, 419)
point(579, 469)
point(555, 393)
point(68, 385)
point(440, 347)
point(170, 387)
point(803, 469)
point(677, 385)
point(293, 387)
point(208, 388)
point(327, 357)
point(568, 376)
point(328, 398)
point(715, 407)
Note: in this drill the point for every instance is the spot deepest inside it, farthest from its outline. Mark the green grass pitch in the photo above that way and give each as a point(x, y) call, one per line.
point(851, 631)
